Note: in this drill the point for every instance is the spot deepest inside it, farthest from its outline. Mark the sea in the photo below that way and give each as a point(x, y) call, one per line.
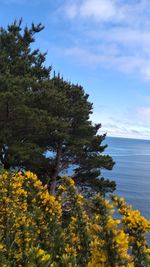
point(131, 171)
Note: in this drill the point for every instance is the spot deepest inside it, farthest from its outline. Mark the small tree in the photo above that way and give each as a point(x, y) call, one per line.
point(72, 138)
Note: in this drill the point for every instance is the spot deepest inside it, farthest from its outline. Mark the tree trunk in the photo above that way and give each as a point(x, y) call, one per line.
point(4, 158)
point(53, 185)
point(56, 170)
point(6, 165)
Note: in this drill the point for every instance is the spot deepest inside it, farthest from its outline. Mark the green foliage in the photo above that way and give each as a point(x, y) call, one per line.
point(40, 113)
point(21, 73)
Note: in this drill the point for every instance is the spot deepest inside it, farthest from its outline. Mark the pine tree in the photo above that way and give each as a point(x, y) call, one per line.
point(41, 114)
point(72, 139)
point(21, 74)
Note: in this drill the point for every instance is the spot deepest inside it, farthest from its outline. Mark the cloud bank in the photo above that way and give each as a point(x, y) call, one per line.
point(111, 33)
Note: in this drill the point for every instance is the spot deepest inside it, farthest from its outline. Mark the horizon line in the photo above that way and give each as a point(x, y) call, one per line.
point(122, 137)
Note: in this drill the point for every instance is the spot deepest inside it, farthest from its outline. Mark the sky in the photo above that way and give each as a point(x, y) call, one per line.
point(103, 45)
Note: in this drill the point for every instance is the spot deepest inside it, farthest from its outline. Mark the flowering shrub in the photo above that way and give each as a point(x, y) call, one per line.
point(29, 220)
point(37, 229)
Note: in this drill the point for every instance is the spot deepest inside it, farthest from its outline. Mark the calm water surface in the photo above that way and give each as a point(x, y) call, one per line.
point(131, 171)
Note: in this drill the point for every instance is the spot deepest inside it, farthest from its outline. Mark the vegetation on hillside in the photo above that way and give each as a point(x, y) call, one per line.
point(37, 229)
point(45, 127)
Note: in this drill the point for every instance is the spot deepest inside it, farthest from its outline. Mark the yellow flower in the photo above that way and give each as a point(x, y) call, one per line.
point(96, 227)
point(61, 187)
point(40, 252)
point(1, 247)
point(45, 258)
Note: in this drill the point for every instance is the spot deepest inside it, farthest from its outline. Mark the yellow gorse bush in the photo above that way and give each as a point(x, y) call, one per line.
point(37, 229)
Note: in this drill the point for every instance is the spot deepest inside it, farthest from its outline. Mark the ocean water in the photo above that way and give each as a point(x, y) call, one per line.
point(131, 171)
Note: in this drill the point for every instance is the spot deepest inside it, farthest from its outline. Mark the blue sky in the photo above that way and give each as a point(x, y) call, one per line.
point(103, 45)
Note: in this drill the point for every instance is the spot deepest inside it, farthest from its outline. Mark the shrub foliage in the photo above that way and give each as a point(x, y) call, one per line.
point(37, 229)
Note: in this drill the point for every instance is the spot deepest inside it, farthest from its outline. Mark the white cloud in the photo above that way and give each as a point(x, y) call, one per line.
point(132, 130)
point(111, 33)
point(100, 10)
point(146, 72)
point(109, 58)
point(85, 55)
point(124, 35)
point(133, 123)
point(144, 113)
point(71, 10)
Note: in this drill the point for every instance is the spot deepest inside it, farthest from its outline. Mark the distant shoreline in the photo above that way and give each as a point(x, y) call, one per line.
point(129, 138)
